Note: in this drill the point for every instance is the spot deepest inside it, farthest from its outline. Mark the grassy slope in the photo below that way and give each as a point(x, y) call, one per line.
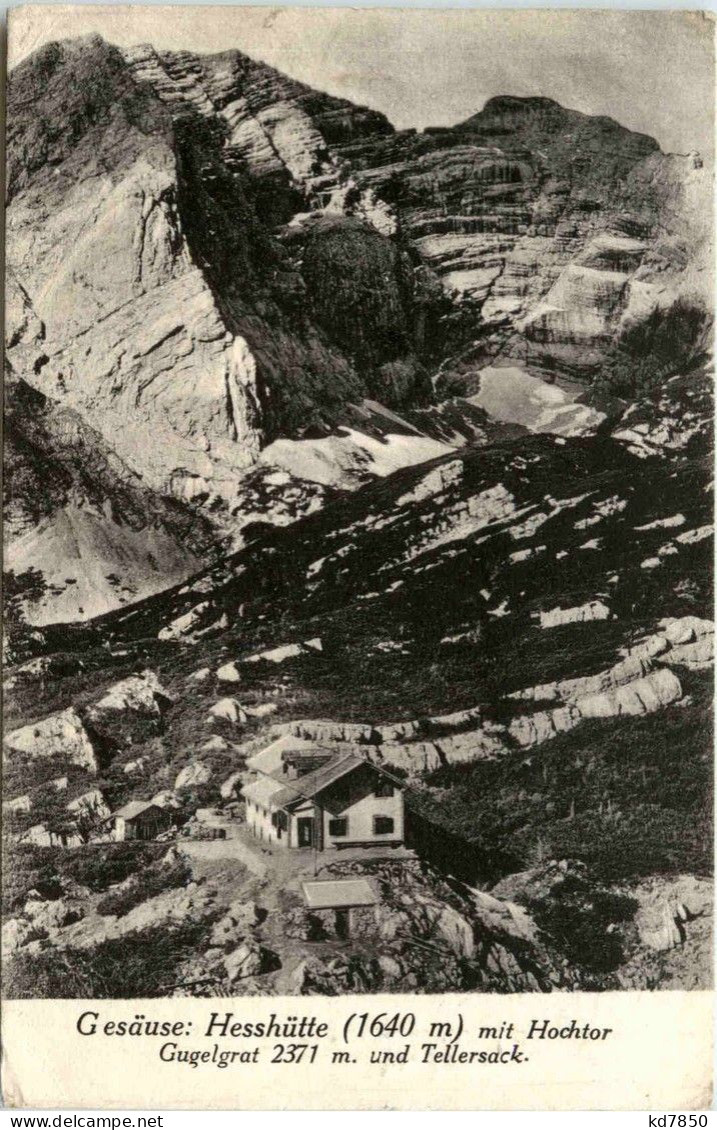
point(636, 790)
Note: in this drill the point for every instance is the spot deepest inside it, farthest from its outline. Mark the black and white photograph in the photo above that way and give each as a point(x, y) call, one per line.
point(358, 503)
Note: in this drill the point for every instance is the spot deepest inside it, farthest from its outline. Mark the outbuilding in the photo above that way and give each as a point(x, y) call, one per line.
point(349, 905)
point(139, 820)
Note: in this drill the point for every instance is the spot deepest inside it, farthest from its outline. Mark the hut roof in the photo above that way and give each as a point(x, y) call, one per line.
point(134, 808)
point(330, 894)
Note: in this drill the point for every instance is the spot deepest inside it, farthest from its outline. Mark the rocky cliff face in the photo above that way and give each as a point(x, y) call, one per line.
point(549, 229)
point(548, 226)
point(131, 332)
point(83, 534)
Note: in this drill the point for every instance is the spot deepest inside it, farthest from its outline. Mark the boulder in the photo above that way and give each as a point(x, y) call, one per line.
point(183, 625)
point(336, 976)
point(168, 910)
point(165, 799)
point(263, 710)
point(90, 805)
point(136, 766)
point(139, 694)
point(230, 787)
point(229, 673)
point(391, 967)
point(199, 676)
point(250, 959)
point(238, 922)
point(457, 931)
point(60, 734)
point(195, 773)
point(49, 915)
point(216, 744)
point(17, 804)
point(41, 836)
point(228, 709)
point(17, 932)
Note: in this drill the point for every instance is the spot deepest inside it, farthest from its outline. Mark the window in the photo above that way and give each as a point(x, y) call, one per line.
point(339, 827)
point(382, 825)
point(383, 788)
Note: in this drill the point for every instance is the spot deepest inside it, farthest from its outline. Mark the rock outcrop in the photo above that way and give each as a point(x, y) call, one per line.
point(228, 673)
point(139, 694)
point(186, 337)
point(227, 709)
point(249, 960)
point(659, 689)
point(594, 610)
point(90, 806)
point(237, 924)
point(17, 804)
point(632, 686)
point(285, 651)
point(196, 773)
point(62, 734)
point(83, 737)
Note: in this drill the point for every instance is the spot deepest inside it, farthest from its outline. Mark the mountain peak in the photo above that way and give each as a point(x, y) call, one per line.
point(537, 116)
point(515, 103)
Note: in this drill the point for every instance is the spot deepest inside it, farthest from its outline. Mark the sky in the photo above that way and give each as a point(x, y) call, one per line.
point(651, 70)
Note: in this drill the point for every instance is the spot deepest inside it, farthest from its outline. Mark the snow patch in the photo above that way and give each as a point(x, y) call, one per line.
point(516, 397)
point(347, 460)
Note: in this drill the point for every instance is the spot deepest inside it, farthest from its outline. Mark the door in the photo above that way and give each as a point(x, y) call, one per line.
point(306, 831)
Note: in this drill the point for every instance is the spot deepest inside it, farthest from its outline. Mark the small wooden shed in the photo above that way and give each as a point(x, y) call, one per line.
point(352, 904)
point(140, 820)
